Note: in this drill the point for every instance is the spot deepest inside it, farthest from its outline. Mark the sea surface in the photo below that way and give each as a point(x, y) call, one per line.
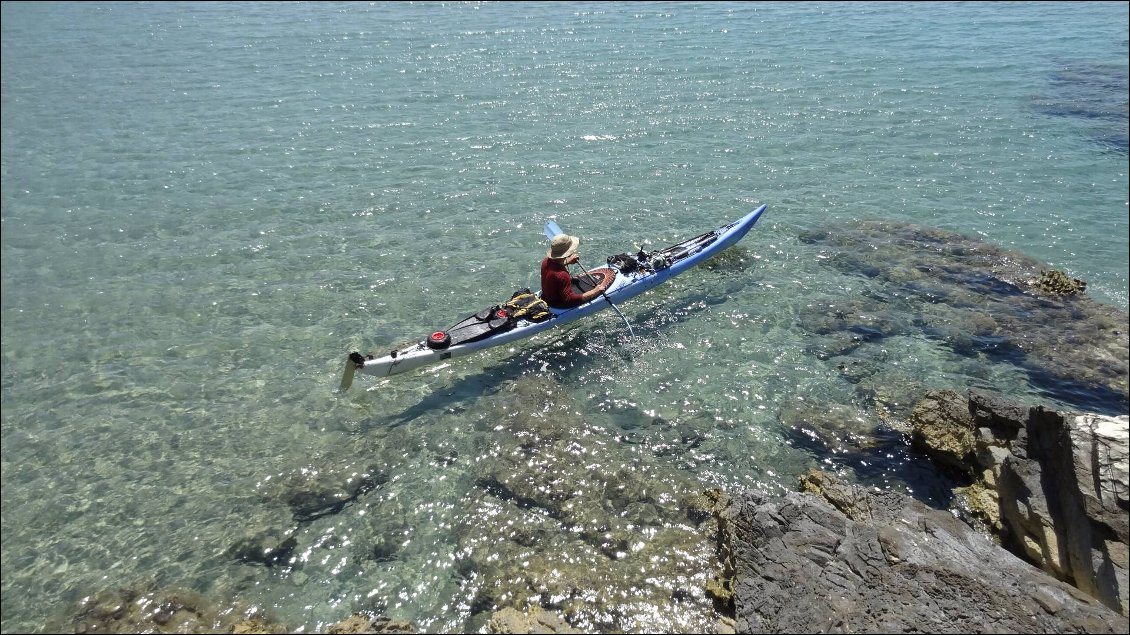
point(206, 206)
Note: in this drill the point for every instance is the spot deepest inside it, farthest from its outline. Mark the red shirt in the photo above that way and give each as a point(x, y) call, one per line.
point(557, 285)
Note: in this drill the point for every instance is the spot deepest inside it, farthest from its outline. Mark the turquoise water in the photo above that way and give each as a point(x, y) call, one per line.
point(206, 206)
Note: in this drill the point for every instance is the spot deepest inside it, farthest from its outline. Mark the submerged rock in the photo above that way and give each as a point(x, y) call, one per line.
point(1095, 96)
point(312, 492)
point(366, 624)
point(603, 549)
point(535, 620)
point(979, 301)
point(166, 611)
point(172, 610)
point(270, 547)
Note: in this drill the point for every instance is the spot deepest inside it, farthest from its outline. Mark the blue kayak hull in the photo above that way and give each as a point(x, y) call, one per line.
point(672, 261)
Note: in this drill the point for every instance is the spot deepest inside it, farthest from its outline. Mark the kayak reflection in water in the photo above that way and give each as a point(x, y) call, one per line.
point(560, 289)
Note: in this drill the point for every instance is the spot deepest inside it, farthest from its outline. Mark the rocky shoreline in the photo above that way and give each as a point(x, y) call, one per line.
point(1051, 487)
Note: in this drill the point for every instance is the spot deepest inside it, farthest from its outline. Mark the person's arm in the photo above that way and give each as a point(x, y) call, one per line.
point(561, 293)
point(570, 296)
point(597, 290)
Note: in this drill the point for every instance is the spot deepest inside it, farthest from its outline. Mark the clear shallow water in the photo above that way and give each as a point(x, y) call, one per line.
point(206, 206)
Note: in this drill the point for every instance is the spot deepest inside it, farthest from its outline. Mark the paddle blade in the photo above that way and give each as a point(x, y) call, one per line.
point(551, 229)
point(355, 361)
point(347, 375)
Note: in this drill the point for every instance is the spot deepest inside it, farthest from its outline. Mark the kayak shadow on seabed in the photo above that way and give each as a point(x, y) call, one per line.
point(575, 351)
point(493, 377)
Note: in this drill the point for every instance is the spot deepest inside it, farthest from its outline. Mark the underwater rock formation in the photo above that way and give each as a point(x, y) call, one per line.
point(165, 611)
point(315, 491)
point(977, 299)
point(605, 552)
point(358, 624)
point(169, 610)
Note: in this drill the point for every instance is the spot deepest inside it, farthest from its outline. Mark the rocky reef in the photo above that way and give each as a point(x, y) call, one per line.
point(551, 539)
point(976, 299)
point(562, 550)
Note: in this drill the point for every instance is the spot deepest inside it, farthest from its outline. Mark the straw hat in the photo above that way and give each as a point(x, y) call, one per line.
point(562, 246)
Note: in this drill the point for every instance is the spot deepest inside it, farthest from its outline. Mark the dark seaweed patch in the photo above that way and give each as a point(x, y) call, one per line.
point(1095, 93)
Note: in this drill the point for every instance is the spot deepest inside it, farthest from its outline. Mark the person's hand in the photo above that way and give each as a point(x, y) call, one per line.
point(598, 289)
point(572, 260)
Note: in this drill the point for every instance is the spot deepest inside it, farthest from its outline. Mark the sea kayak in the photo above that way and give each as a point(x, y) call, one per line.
point(632, 275)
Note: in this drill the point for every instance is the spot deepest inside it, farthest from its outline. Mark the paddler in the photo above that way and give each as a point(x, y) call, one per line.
point(557, 283)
